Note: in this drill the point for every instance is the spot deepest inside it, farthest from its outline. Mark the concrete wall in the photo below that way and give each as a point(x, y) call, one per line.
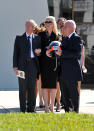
point(13, 14)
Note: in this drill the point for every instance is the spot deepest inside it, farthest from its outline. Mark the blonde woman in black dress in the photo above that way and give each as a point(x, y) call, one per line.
point(49, 77)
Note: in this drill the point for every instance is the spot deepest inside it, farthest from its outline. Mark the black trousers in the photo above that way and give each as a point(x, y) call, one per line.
point(61, 89)
point(71, 95)
point(28, 84)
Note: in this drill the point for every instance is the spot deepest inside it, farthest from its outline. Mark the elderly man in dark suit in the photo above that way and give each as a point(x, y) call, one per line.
point(71, 66)
point(26, 49)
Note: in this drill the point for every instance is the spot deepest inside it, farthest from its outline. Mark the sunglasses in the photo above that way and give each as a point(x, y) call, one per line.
point(48, 22)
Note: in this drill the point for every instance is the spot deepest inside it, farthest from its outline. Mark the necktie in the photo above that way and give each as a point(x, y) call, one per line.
point(29, 45)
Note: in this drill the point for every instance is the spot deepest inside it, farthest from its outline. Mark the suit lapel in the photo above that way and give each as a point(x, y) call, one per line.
point(25, 43)
point(72, 36)
point(67, 41)
point(25, 39)
point(33, 41)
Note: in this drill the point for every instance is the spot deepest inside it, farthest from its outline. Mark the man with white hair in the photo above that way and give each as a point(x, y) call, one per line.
point(26, 49)
point(71, 67)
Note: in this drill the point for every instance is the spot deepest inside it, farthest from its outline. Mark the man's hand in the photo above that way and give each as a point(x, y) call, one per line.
point(47, 53)
point(37, 51)
point(58, 53)
point(84, 69)
point(15, 70)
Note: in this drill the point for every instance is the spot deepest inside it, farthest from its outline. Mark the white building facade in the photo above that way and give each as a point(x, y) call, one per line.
point(13, 14)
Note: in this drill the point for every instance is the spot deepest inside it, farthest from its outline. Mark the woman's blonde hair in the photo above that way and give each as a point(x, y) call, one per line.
point(55, 24)
point(36, 30)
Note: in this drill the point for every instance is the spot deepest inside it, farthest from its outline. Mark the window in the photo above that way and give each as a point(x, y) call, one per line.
point(65, 9)
point(51, 7)
point(83, 10)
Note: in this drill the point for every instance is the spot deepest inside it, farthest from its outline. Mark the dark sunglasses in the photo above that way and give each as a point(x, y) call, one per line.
point(48, 22)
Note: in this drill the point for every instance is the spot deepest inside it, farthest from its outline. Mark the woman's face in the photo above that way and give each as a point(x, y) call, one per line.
point(49, 24)
point(59, 24)
point(62, 30)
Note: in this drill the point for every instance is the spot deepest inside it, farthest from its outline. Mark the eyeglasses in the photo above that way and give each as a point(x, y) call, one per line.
point(48, 22)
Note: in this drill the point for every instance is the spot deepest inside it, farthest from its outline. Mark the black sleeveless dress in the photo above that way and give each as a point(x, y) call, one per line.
point(49, 77)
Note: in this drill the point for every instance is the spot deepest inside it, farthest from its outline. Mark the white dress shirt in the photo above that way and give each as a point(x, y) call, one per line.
point(31, 37)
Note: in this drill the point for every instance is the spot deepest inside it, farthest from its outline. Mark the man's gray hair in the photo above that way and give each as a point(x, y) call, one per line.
point(72, 22)
point(34, 24)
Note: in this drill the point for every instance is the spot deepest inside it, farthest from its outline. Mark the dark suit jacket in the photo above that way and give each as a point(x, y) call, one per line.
point(71, 58)
point(21, 51)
